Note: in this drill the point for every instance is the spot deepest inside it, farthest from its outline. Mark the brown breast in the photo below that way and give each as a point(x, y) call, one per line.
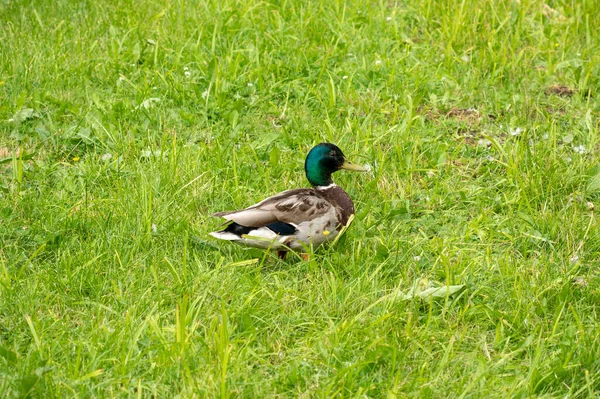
point(341, 200)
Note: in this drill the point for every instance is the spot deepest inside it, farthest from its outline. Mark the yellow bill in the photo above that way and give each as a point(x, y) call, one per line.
point(352, 166)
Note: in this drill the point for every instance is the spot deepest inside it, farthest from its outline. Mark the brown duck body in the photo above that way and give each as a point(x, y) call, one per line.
point(294, 219)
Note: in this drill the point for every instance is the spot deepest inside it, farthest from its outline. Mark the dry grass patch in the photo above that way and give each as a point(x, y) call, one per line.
point(559, 90)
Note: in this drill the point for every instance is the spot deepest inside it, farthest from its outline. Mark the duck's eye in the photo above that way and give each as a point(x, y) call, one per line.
point(332, 153)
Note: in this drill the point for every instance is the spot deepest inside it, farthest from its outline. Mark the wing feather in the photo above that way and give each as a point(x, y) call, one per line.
point(291, 206)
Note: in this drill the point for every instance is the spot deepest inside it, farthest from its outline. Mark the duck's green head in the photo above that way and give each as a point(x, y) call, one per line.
point(323, 160)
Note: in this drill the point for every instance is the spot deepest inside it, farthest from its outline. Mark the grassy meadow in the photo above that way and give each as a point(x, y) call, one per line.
point(124, 125)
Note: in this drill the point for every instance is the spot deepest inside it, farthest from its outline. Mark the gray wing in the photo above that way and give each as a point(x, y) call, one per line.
point(292, 206)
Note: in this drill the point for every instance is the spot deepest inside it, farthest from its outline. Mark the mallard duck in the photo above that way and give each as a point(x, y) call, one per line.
point(300, 218)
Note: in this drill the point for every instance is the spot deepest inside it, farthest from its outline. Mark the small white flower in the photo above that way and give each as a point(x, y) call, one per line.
point(568, 159)
point(149, 102)
point(185, 68)
point(465, 58)
point(345, 77)
point(250, 84)
point(430, 173)
point(377, 62)
point(388, 19)
point(205, 94)
point(416, 258)
point(517, 131)
point(545, 136)
point(187, 74)
point(106, 157)
point(489, 158)
point(579, 149)
point(484, 143)
point(574, 258)
point(580, 281)
point(146, 154)
point(121, 78)
point(154, 229)
point(575, 198)
point(368, 167)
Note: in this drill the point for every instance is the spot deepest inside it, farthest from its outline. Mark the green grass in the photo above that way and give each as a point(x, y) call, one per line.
point(124, 125)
